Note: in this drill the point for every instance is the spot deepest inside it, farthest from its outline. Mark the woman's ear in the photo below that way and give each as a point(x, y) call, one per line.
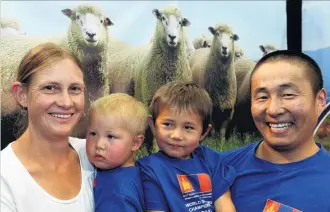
point(19, 91)
point(137, 143)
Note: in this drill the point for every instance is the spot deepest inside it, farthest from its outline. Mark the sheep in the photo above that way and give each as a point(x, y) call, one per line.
point(213, 69)
point(166, 59)
point(202, 41)
point(10, 27)
point(87, 39)
point(242, 120)
point(190, 45)
point(266, 49)
point(238, 52)
point(122, 67)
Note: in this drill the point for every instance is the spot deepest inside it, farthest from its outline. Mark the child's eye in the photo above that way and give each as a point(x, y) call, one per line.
point(188, 127)
point(92, 134)
point(167, 124)
point(111, 137)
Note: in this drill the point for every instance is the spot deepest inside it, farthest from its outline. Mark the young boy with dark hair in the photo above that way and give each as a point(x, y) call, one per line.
point(183, 175)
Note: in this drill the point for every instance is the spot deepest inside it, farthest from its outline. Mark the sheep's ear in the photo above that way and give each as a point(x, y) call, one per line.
point(262, 48)
point(204, 44)
point(67, 12)
point(157, 14)
point(107, 22)
point(235, 37)
point(212, 30)
point(185, 22)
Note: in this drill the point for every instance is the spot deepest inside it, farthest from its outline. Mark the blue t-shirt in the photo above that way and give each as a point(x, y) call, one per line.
point(118, 190)
point(172, 184)
point(303, 185)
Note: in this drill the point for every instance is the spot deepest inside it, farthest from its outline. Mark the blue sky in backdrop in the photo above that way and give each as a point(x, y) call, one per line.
point(256, 22)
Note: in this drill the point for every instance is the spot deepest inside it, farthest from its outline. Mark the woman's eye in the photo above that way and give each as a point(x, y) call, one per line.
point(92, 133)
point(49, 88)
point(76, 89)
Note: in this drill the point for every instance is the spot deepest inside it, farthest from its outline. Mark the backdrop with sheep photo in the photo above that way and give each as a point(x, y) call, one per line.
point(316, 43)
point(135, 47)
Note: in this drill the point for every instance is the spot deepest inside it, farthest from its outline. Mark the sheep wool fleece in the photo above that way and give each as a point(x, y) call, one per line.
point(261, 185)
point(21, 193)
point(172, 184)
point(119, 190)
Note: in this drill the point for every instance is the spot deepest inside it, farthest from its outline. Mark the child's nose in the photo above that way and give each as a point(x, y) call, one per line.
point(177, 134)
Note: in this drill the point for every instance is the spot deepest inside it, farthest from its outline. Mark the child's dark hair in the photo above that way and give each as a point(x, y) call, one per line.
point(183, 96)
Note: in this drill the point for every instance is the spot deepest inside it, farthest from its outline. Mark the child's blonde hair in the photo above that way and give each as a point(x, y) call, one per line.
point(133, 112)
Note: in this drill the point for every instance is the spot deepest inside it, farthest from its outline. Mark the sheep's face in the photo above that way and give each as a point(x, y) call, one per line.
point(92, 27)
point(225, 41)
point(206, 42)
point(172, 27)
point(238, 55)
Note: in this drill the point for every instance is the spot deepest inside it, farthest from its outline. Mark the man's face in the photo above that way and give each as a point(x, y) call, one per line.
point(284, 108)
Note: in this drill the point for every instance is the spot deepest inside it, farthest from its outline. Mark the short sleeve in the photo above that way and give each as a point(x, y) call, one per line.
point(7, 200)
point(222, 175)
point(153, 195)
point(222, 179)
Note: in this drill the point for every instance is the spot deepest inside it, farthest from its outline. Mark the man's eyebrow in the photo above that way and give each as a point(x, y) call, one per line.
point(259, 90)
point(288, 85)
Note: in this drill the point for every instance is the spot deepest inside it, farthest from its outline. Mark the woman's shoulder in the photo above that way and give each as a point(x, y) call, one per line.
point(80, 146)
point(78, 143)
point(7, 157)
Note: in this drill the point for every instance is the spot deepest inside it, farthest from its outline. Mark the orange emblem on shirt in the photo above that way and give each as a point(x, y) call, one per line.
point(185, 184)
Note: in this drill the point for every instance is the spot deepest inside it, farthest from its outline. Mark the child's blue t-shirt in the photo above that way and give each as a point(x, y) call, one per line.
point(119, 189)
point(172, 184)
point(262, 185)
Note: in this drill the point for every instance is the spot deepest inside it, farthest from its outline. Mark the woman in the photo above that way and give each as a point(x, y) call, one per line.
point(44, 169)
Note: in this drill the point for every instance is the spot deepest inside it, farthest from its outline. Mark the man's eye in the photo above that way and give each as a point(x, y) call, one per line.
point(92, 134)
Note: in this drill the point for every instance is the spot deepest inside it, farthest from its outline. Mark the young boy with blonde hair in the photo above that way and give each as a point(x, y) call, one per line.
point(116, 131)
point(183, 175)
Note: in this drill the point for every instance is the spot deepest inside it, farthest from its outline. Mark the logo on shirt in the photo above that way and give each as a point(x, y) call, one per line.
point(195, 182)
point(273, 206)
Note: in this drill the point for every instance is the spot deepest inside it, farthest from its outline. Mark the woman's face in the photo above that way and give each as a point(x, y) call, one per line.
point(55, 98)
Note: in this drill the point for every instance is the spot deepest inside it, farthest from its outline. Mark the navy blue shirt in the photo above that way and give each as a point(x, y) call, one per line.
point(172, 184)
point(119, 190)
point(303, 185)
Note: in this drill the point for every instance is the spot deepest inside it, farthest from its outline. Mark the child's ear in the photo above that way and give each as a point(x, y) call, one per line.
point(209, 127)
point(137, 142)
point(151, 124)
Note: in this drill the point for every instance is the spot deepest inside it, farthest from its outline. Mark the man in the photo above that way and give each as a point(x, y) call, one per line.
point(287, 169)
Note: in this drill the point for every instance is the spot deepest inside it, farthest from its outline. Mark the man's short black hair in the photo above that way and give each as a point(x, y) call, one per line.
point(312, 68)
